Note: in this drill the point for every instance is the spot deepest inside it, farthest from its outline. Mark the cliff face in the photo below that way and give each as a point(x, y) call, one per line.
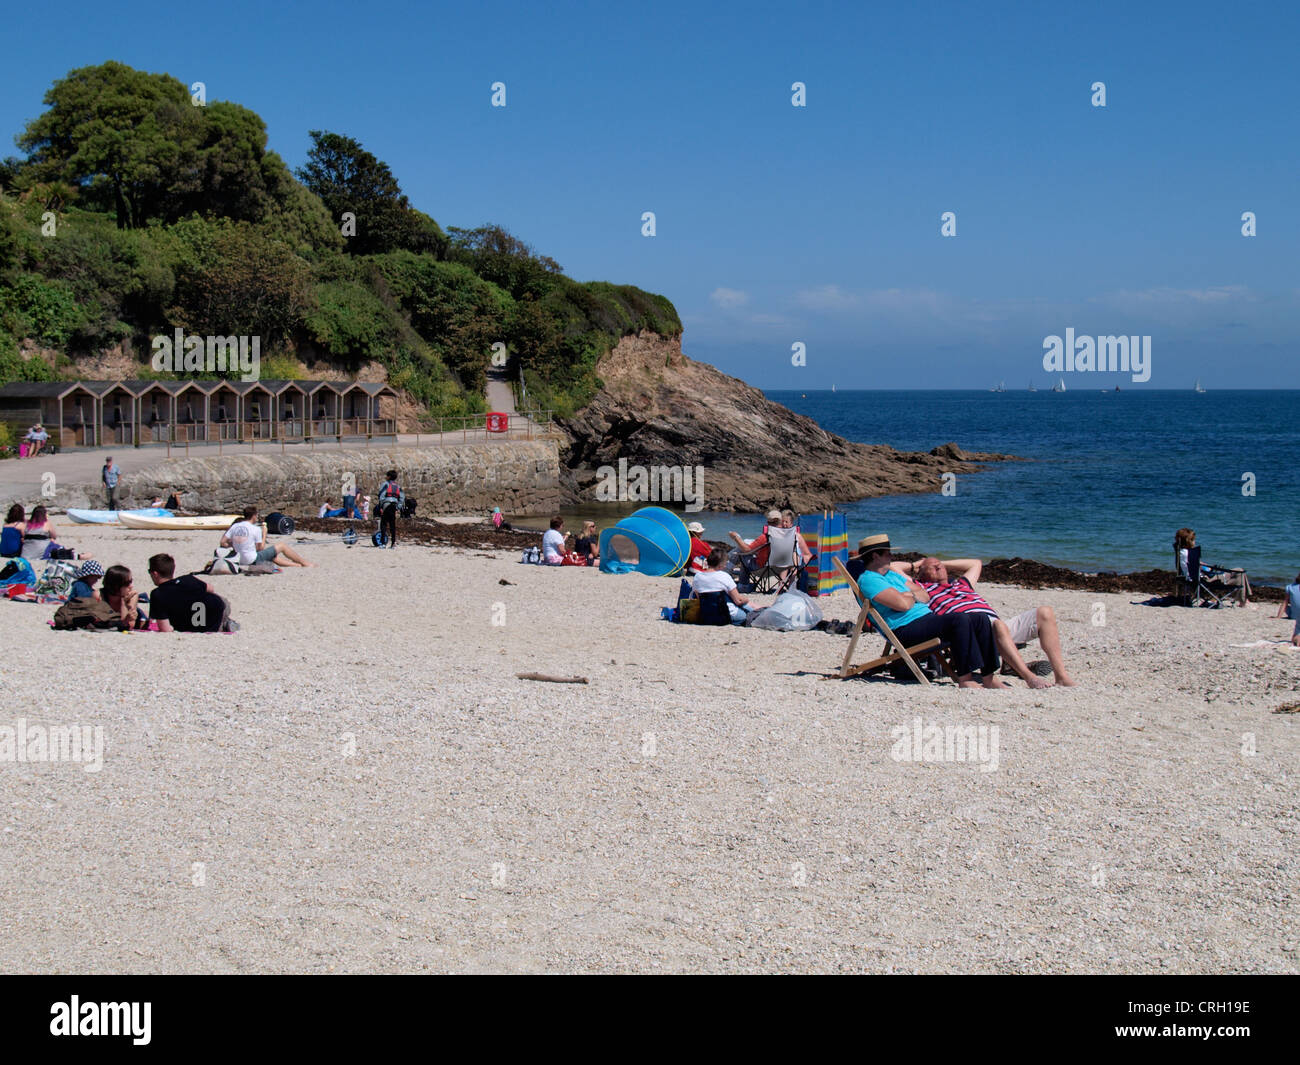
point(659, 408)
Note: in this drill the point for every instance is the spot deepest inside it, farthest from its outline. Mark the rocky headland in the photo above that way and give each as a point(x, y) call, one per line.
point(660, 408)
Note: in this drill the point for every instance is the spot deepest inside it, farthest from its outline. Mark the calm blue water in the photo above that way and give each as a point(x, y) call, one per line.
point(1113, 475)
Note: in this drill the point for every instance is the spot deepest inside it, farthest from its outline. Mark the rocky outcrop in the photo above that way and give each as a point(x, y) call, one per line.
point(660, 408)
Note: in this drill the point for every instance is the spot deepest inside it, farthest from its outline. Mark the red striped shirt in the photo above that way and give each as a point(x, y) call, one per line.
point(956, 597)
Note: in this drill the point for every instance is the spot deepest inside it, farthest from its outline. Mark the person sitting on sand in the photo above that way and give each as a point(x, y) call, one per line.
point(553, 547)
point(186, 603)
point(248, 538)
point(83, 587)
point(119, 593)
point(700, 548)
point(903, 603)
point(1290, 608)
point(172, 502)
point(39, 537)
point(717, 579)
point(11, 539)
point(588, 544)
point(951, 587)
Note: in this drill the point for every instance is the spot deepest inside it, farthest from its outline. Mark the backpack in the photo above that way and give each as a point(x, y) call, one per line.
point(224, 560)
point(532, 556)
point(86, 614)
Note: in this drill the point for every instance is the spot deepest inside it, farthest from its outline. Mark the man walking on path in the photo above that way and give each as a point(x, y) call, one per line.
point(111, 475)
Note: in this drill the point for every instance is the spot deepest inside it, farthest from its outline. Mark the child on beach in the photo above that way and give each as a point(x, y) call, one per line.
point(1290, 608)
point(84, 586)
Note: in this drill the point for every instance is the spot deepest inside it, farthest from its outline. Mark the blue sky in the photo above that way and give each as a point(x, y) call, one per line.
point(821, 224)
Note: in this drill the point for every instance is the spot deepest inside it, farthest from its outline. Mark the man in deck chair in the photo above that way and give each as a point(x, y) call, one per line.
point(951, 587)
point(787, 552)
point(903, 603)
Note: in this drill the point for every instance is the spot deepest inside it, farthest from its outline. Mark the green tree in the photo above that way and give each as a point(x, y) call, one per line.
point(349, 179)
point(127, 137)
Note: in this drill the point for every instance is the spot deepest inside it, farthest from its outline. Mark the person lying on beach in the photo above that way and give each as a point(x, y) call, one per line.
point(83, 587)
point(248, 538)
point(717, 579)
point(329, 510)
point(120, 594)
point(1290, 608)
point(186, 603)
point(951, 587)
point(903, 603)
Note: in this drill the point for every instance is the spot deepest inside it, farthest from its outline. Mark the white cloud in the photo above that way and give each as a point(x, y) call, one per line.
point(826, 298)
point(729, 297)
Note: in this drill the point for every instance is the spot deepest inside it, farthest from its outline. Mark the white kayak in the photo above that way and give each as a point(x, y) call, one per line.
point(201, 521)
point(112, 517)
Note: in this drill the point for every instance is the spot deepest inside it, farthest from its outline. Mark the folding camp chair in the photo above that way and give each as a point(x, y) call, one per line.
point(1195, 588)
point(908, 655)
point(783, 564)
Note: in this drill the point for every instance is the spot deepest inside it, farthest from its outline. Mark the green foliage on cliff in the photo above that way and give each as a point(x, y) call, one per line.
point(136, 212)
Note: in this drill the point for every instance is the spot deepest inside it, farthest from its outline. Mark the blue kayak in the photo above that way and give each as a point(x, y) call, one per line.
point(110, 517)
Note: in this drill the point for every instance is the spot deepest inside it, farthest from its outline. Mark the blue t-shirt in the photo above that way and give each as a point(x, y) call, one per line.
point(1293, 601)
point(82, 590)
point(873, 583)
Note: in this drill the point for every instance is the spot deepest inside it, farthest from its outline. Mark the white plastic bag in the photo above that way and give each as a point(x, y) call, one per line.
point(791, 612)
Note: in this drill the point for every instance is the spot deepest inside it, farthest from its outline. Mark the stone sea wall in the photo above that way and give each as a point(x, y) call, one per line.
point(519, 477)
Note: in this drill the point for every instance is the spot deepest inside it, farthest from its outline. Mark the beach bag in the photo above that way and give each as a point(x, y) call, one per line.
point(17, 571)
point(86, 614)
point(53, 550)
point(574, 559)
point(57, 580)
point(791, 612)
point(532, 556)
point(225, 560)
point(713, 608)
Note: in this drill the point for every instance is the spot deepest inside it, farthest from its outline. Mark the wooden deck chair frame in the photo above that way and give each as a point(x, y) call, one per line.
point(905, 654)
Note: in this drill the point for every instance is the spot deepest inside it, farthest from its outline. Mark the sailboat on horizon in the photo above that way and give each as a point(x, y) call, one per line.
point(1198, 387)
point(1060, 385)
point(1031, 387)
point(1002, 387)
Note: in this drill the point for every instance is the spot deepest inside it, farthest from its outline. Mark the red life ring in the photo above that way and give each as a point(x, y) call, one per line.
point(498, 422)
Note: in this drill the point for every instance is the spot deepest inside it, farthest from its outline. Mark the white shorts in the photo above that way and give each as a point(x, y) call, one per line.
point(1024, 627)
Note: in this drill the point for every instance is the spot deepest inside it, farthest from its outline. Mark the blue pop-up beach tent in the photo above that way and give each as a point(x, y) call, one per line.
point(652, 541)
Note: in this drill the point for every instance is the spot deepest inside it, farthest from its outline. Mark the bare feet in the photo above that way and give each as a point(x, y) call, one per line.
point(1065, 680)
point(992, 681)
point(1037, 682)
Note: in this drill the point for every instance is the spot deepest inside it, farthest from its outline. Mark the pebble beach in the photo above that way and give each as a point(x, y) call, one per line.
point(357, 781)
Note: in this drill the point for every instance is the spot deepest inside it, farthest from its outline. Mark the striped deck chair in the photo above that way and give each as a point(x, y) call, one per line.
point(894, 651)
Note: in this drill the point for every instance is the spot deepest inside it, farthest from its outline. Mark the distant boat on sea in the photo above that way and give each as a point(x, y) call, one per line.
point(1031, 387)
point(1198, 387)
point(1117, 388)
point(1060, 385)
point(1002, 387)
point(832, 388)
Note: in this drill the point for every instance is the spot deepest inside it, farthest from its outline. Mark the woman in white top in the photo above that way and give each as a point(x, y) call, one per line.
point(553, 543)
point(716, 579)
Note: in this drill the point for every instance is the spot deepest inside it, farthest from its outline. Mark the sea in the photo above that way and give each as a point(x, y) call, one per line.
point(1107, 478)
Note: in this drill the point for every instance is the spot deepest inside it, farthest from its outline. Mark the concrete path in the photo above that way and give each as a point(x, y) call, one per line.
point(500, 396)
point(23, 480)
